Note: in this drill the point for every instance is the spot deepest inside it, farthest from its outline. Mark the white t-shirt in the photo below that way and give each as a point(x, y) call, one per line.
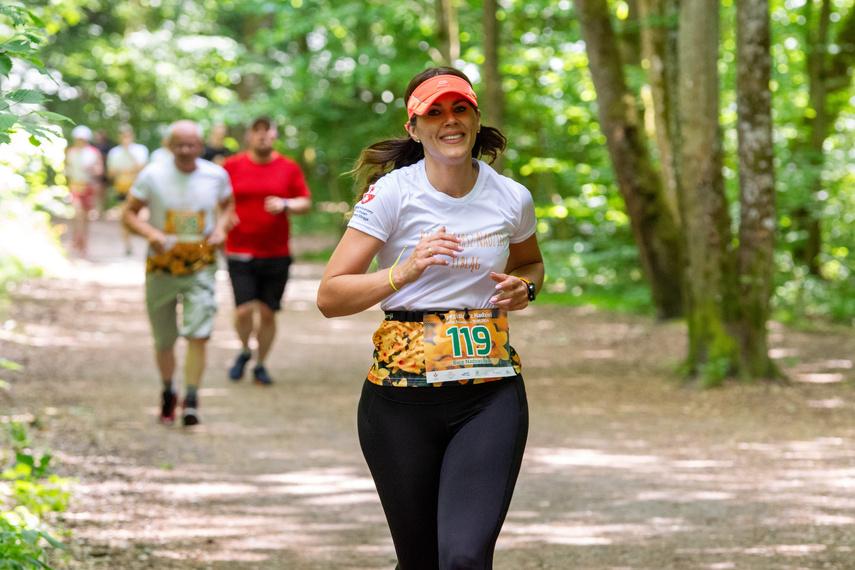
point(161, 153)
point(80, 163)
point(182, 203)
point(403, 206)
point(131, 158)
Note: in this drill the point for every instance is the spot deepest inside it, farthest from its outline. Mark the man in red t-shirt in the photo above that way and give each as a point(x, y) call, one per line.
point(267, 188)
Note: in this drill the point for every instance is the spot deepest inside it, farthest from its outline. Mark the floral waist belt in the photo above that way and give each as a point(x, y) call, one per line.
point(429, 348)
point(184, 258)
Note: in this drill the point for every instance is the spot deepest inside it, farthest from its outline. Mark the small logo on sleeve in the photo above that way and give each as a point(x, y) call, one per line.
point(369, 195)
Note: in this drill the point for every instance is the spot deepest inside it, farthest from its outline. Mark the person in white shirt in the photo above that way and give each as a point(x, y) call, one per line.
point(191, 208)
point(443, 416)
point(83, 170)
point(124, 163)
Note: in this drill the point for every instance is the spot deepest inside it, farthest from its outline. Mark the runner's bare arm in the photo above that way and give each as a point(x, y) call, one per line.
point(225, 221)
point(277, 205)
point(131, 218)
point(346, 288)
point(524, 262)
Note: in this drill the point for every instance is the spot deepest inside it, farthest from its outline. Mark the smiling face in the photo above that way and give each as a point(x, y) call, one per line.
point(447, 130)
point(186, 145)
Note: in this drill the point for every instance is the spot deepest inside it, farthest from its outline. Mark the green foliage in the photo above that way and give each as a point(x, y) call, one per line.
point(28, 492)
point(27, 150)
point(608, 278)
point(20, 546)
point(20, 39)
point(28, 246)
point(334, 73)
point(9, 365)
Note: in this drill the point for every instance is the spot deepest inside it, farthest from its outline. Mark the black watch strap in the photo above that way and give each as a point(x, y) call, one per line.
point(532, 293)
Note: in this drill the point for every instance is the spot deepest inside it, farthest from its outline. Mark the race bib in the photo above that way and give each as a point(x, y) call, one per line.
point(179, 222)
point(467, 345)
point(185, 255)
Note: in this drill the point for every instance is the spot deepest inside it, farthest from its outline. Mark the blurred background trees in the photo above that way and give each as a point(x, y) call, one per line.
point(613, 217)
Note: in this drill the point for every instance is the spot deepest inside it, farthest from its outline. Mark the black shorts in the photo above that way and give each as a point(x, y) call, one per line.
point(259, 279)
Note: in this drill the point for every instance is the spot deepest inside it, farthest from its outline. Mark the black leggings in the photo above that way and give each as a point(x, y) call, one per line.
point(445, 461)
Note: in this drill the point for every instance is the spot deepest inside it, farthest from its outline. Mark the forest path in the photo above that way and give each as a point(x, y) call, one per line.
point(624, 468)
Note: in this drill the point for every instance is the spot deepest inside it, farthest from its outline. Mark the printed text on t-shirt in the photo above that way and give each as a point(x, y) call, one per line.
point(477, 239)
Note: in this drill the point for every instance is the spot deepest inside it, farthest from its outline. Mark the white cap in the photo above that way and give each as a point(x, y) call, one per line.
point(82, 132)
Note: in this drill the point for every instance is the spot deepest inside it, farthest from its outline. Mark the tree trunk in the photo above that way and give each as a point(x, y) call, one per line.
point(839, 76)
point(756, 183)
point(493, 107)
point(827, 74)
point(251, 83)
point(447, 33)
point(654, 229)
point(805, 218)
point(713, 352)
point(630, 36)
point(659, 19)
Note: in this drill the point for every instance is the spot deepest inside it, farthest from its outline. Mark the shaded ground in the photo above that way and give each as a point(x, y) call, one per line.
point(624, 469)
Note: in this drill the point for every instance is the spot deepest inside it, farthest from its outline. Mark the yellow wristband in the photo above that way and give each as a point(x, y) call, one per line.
point(393, 267)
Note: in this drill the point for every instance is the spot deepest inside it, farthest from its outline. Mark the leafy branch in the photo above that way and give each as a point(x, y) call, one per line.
point(23, 45)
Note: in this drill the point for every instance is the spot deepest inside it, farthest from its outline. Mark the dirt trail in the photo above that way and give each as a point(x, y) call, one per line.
point(624, 469)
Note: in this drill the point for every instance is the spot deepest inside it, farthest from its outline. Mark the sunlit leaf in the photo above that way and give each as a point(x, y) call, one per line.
point(14, 13)
point(30, 535)
point(36, 20)
point(25, 96)
point(51, 116)
point(16, 47)
point(7, 121)
point(36, 39)
point(53, 542)
point(5, 64)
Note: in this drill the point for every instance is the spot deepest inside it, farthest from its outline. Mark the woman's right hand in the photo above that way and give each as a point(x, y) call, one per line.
point(432, 249)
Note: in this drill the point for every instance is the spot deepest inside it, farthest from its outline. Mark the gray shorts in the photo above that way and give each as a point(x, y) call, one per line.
point(195, 293)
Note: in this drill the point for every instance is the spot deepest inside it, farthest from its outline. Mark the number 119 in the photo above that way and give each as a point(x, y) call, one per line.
point(476, 339)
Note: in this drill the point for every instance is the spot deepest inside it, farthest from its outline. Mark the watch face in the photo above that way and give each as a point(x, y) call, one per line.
point(530, 291)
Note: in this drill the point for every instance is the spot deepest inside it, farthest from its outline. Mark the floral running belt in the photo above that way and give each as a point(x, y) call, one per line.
point(182, 259)
point(432, 348)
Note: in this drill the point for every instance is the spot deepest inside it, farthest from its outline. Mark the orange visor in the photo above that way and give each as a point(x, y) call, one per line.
point(426, 93)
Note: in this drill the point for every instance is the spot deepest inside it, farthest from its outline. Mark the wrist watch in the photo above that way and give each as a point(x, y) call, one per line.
point(530, 288)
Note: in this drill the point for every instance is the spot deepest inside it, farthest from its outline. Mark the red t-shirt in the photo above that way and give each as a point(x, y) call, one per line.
point(258, 232)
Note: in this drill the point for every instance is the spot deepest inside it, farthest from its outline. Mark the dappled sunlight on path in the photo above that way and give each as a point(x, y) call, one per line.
point(625, 468)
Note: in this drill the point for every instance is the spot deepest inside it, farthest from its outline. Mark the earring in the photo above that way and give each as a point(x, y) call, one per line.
point(417, 141)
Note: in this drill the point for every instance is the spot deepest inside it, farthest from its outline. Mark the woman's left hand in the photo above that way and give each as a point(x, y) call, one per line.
point(511, 294)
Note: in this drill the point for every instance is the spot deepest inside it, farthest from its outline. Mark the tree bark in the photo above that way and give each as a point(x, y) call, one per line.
point(659, 19)
point(493, 107)
point(251, 83)
point(654, 229)
point(827, 74)
point(841, 62)
point(447, 33)
point(713, 352)
point(756, 184)
point(804, 218)
point(630, 36)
